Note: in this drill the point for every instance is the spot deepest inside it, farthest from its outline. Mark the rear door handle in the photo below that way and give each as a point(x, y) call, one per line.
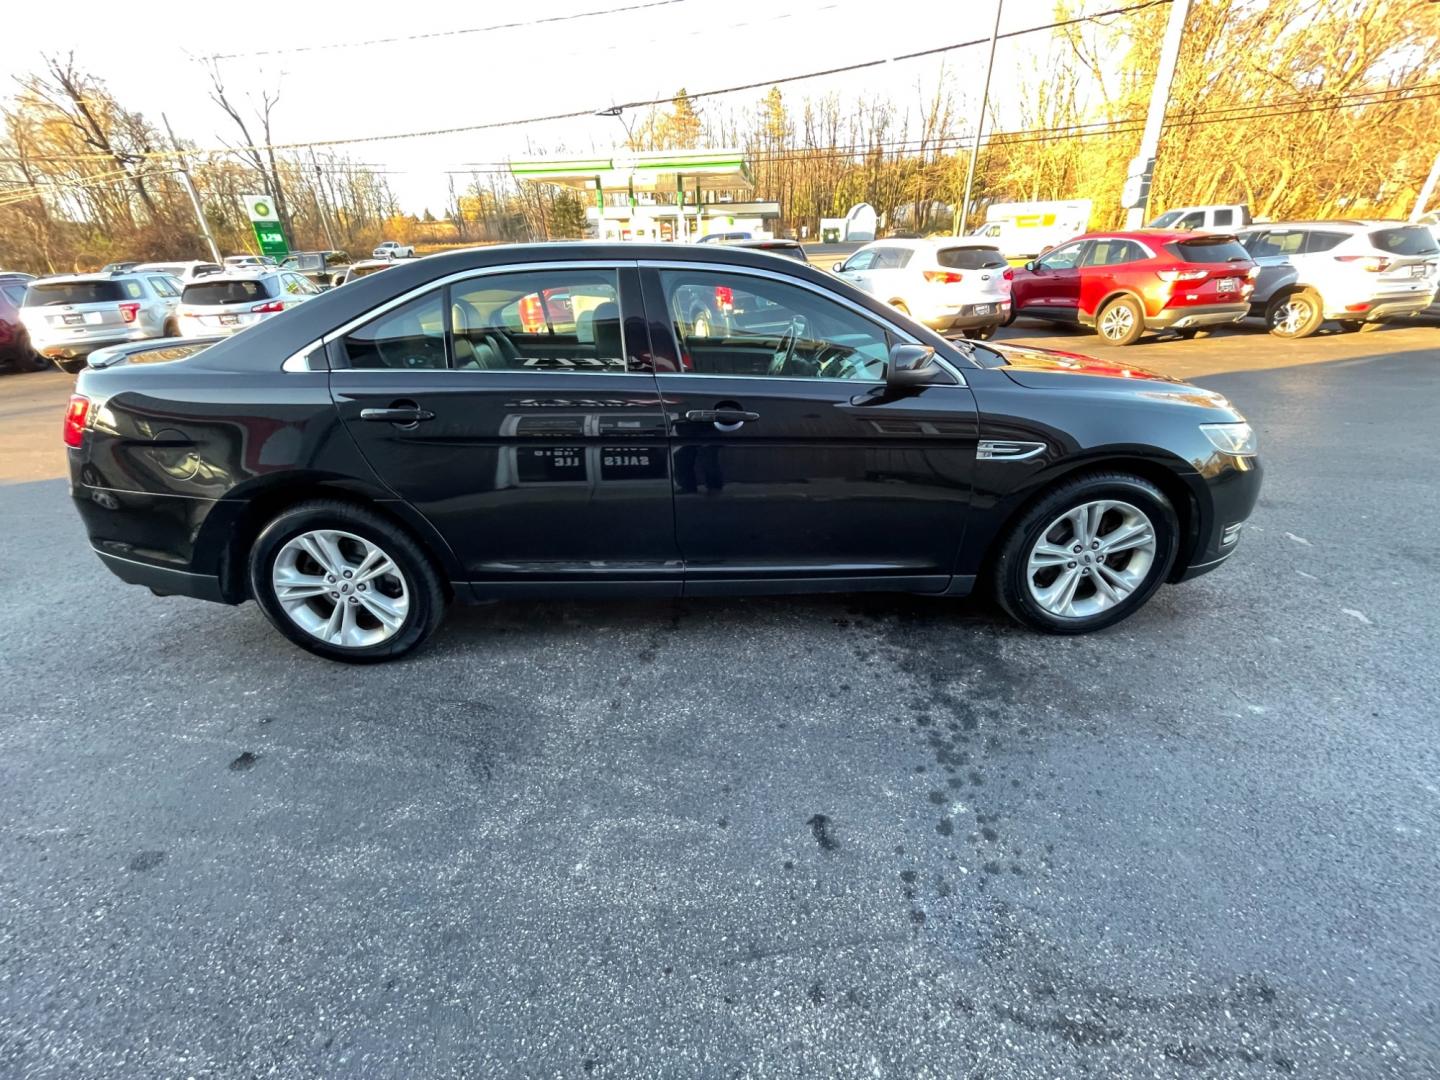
point(720, 416)
point(404, 415)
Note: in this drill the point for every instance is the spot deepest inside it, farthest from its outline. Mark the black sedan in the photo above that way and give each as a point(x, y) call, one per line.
point(547, 421)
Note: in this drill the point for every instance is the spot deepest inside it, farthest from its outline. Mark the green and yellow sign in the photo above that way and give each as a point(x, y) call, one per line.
point(269, 236)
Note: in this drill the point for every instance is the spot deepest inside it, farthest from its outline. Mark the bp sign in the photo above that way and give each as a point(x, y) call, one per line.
point(269, 236)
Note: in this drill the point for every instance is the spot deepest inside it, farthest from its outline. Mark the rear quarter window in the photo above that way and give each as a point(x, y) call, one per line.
point(225, 292)
point(1404, 240)
point(76, 292)
point(971, 258)
point(1205, 249)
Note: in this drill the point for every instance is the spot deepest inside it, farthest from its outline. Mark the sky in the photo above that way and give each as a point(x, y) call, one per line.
point(333, 87)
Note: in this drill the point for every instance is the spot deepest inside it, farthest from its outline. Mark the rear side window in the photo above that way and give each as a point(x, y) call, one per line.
point(14, 293)
point(1319, 240)
point(76, 292)
point(544, 320)
point(226, 292)
point(1210, 249)
point(1404, 240)
point(1224, 217)
point(410, 337)
point(1112, 251)
point(971, 258)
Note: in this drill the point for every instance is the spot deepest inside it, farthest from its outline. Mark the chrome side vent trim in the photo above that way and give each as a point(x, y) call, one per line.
point(1007, 450)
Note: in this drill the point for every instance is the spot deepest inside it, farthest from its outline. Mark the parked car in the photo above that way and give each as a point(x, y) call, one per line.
point(391, 249)
point(730, 237)
point(248, 262)
point(1123, 284)
point(69, 316)
point(16, 352)
point(321, 267)
point(181, 271)
point(223, 304)
point(953, 285)
point(1205, 218)
point(118, 267)
point(387, 448)
point(789, 249)
point(1354, 272)
point(1026, 229)
point(363, 268)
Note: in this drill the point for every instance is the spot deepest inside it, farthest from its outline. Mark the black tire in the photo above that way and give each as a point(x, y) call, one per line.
point(170, 329)
point(1127, 329)
point(981, 333)
point(1190, 333)
point(71, 365)
point(1294, 315)
point(1350, 326)
point(1010, 318)
point(421, 580)
point(1009, 574)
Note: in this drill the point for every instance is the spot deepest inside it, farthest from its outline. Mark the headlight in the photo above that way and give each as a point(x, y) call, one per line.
point(1237, 439)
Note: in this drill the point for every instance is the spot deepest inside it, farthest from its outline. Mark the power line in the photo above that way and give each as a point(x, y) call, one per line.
point(330, 46)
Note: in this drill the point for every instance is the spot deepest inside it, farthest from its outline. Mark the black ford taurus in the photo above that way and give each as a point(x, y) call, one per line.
point(594, 420)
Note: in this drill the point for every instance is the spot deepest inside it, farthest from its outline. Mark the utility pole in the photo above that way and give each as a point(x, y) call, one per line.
point(979, 123)
point(320, 200)
point(189, 186)
point(1142, 168)
point(1426, 190)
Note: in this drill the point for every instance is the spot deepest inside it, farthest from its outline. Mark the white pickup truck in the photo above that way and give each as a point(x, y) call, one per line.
point(391, 249)
point(1205, 218)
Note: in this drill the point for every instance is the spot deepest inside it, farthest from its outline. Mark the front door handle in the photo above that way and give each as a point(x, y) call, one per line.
point(406, 414)
point(728, 417)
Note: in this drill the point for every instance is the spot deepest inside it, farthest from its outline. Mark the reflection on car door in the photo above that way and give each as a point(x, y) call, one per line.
point(1054, 291)
point(789, 462)
point(537, 450)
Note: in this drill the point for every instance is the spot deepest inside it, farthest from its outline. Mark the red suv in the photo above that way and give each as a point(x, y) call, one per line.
point(1123, 284)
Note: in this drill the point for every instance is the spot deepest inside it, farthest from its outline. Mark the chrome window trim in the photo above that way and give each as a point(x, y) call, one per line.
point(844, 301)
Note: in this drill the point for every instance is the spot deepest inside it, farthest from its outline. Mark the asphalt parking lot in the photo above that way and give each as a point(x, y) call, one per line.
point(878, 836)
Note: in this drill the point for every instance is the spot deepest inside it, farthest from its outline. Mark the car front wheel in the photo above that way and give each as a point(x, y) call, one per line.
point(345, 583)
point(1088, 554)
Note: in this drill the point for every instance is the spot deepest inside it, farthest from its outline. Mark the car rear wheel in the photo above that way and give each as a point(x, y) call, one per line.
point(1088, 554)
point(1294, 315)
point(1121, 322)
point(981, 333)
point(345, 583)
point(170, 329)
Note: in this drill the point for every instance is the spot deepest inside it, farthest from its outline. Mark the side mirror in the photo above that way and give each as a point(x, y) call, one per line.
point(910, 366)
point(838, 267)
point(1032, 266)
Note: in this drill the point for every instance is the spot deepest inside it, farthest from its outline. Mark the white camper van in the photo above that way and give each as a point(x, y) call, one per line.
point(1023, 230)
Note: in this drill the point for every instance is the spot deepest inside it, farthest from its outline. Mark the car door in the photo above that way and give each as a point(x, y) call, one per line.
point(1051, 289)
point(539, 453)
point(856, 269)
point(792, 468)
point(1279, 256)
point(1103, 269)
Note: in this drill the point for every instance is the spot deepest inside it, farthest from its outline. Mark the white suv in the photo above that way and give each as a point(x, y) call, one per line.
point(69, 316)
point(1354, 272)
point(952, 284)
point(218, 305)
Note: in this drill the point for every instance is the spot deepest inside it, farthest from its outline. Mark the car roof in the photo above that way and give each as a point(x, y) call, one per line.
point(68, 279)
point(932, 243)
point(1158, 236)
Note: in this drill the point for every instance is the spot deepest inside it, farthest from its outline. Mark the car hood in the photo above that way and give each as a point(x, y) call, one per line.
point(1052, 369)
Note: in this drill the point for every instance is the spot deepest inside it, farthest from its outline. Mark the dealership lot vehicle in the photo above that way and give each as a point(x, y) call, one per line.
point(69, 316)
point(1024, 230)
point(1354, 272)
point(816, 440)
point(1123, 284)
point(181, 271)
point(949, 285)
point(321, 267)
point(392, 249)
point(16, 352)
point(223, 304)
point(249, 262)
point(363, 268)
point(788, 249)
point(1204, 218)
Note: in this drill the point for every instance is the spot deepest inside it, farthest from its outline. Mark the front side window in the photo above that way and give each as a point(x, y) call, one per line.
point(540, 320)
point(1277, 242)
point(407, 338)
point(861, 260)
point(162, 286)
point(1066, 257)
point(734, 324)
point(1194, 220)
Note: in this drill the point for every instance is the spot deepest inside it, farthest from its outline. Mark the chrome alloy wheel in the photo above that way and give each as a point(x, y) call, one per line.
point(1290, 316)
point(1117, 322)
point(1091, 558)
point(340, 588)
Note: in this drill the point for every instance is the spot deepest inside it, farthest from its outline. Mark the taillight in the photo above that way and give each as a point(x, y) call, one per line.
point(128, 312)
point(1009, 274)
point(943, 277)
point(1376, 264)
point(724, 297)
point(1182, 275)
point(76, 413)
point(270, 308)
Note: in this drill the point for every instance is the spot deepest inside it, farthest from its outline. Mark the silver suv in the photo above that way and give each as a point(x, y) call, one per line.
point(1354, 272)
point(218, 305)
point(70, 316)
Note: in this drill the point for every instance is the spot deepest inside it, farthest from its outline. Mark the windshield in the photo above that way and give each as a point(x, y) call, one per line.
point(1405, 240)
point(74, 292)
point(1211, 249)
point(226, 292)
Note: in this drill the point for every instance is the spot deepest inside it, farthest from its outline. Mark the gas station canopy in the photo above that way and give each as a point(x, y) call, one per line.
point(651, 171)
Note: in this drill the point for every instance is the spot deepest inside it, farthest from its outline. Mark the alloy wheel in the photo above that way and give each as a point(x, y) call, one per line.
point(1117, 322)
point(1290, 316)
point(341, 588)
point(1090, 558)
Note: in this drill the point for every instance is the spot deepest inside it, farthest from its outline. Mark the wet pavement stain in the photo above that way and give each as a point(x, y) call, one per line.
point(820, 827)
point(147, 860)
point(245, 762)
